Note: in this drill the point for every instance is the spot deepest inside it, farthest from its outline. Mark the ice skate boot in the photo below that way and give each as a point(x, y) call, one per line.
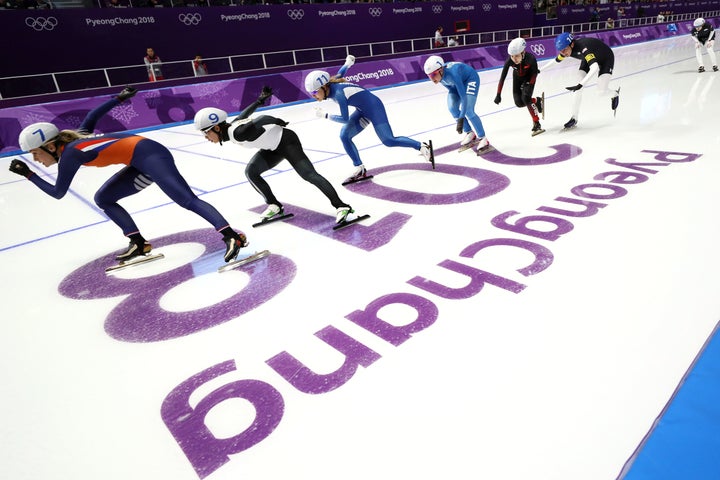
point(233, 244)
point(701, 69)
point(135, 249)
point(537, 129)
point(715, 68)
point(426, 150)
point(358, 175)
point(127, 92)
point(615, 101)
point(570, 124)
point(341, 217)
point(469, 141)
point(272, 213)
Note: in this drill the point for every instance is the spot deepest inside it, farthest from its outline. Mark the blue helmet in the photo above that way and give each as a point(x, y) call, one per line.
point(563, 41)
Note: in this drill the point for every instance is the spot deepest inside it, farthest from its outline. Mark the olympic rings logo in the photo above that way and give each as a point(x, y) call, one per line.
point(41, 23)
point(564, 11)
point(486, 7)
point(538, 49)
point(375, 12)
point(296, 14)
point(527, 5)
point(190, 18)
point(437, 8)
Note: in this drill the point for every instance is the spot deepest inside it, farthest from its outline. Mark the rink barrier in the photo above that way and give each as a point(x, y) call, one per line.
point(177, 105)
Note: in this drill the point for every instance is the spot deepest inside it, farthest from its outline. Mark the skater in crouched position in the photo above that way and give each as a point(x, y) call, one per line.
point(146, 162)
point(704, 36)
point(368, 109)
point(595, 58)
point(525, 70)
point(275, 143)
point(462, 83)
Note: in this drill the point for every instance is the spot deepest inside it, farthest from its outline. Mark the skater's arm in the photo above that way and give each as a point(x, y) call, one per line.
point(91, 119)
point(349, 62)
point(250, 109)
point(594, 68)
point(269, 120)
point(66, 172)
point(503, 76)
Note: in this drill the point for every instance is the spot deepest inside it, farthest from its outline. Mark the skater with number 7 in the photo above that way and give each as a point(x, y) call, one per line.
point(146, 162)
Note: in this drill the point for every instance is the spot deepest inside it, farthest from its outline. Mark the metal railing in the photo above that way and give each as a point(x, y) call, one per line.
point(29, 86)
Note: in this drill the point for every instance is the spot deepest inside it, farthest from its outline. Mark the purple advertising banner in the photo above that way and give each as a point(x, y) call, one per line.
point(170, 105)
point(100, 38)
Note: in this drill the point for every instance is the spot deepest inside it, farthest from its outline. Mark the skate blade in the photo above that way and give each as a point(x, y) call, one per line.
point(543, 105)
point(470, 145)
point(348, 181)
point(432, 154)
point(538, 132)
point(486, 149)
point(139, 260)
point(238, 262)
point(276, 218)
point(347, 223)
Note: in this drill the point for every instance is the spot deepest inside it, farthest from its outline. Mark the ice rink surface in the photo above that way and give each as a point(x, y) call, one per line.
point(525, 314)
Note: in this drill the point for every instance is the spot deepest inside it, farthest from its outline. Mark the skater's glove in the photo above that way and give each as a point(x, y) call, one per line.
point(265, 94)
point(20, 167)
point(127, 92)
point(709, 44)
point(498, 99)
point(349, 61)
point(320, 113)
point(575, 88)
point(459, 126)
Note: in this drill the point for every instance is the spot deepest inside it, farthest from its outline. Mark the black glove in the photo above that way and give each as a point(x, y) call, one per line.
point(460, 123)
point(575, 88)
point(266, 93)
point(127, 92)
point(497, 99)
point(20, 167)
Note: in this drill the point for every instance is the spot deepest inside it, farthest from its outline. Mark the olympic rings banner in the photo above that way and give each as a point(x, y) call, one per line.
point(170, 105)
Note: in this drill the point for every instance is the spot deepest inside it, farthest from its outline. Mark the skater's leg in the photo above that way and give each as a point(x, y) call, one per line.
point(124, 183)
point(698, 56)
point(603, 86)
point(711, 52)
point(385, 134)
point(291, 148)
point(577, 97)
point(261, 162)
point(355, 125)
point(473, 118)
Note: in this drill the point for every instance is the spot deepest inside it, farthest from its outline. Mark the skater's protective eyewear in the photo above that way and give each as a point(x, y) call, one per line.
point(436, 75)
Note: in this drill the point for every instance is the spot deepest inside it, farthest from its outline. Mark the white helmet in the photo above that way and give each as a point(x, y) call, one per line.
point(36, 135)
point(315, 80)
point(208, 117)
point(433, 63)
point(699, 22)
point(517, 46)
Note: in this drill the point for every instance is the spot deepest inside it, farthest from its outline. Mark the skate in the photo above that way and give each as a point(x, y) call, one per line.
point(360, 174)
point(615, 101)
point(135, 248)
point(484, 146)
point(426, 150)
point(238, 262)
point(570, 124)
point(134, 261)
point(537, 129)
point(715, 68)
point(540, 104)
point(701, 69)
point(233, 244)
point(127, 92)
point(272, 213)
point(341, 218)
point(469, 141)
